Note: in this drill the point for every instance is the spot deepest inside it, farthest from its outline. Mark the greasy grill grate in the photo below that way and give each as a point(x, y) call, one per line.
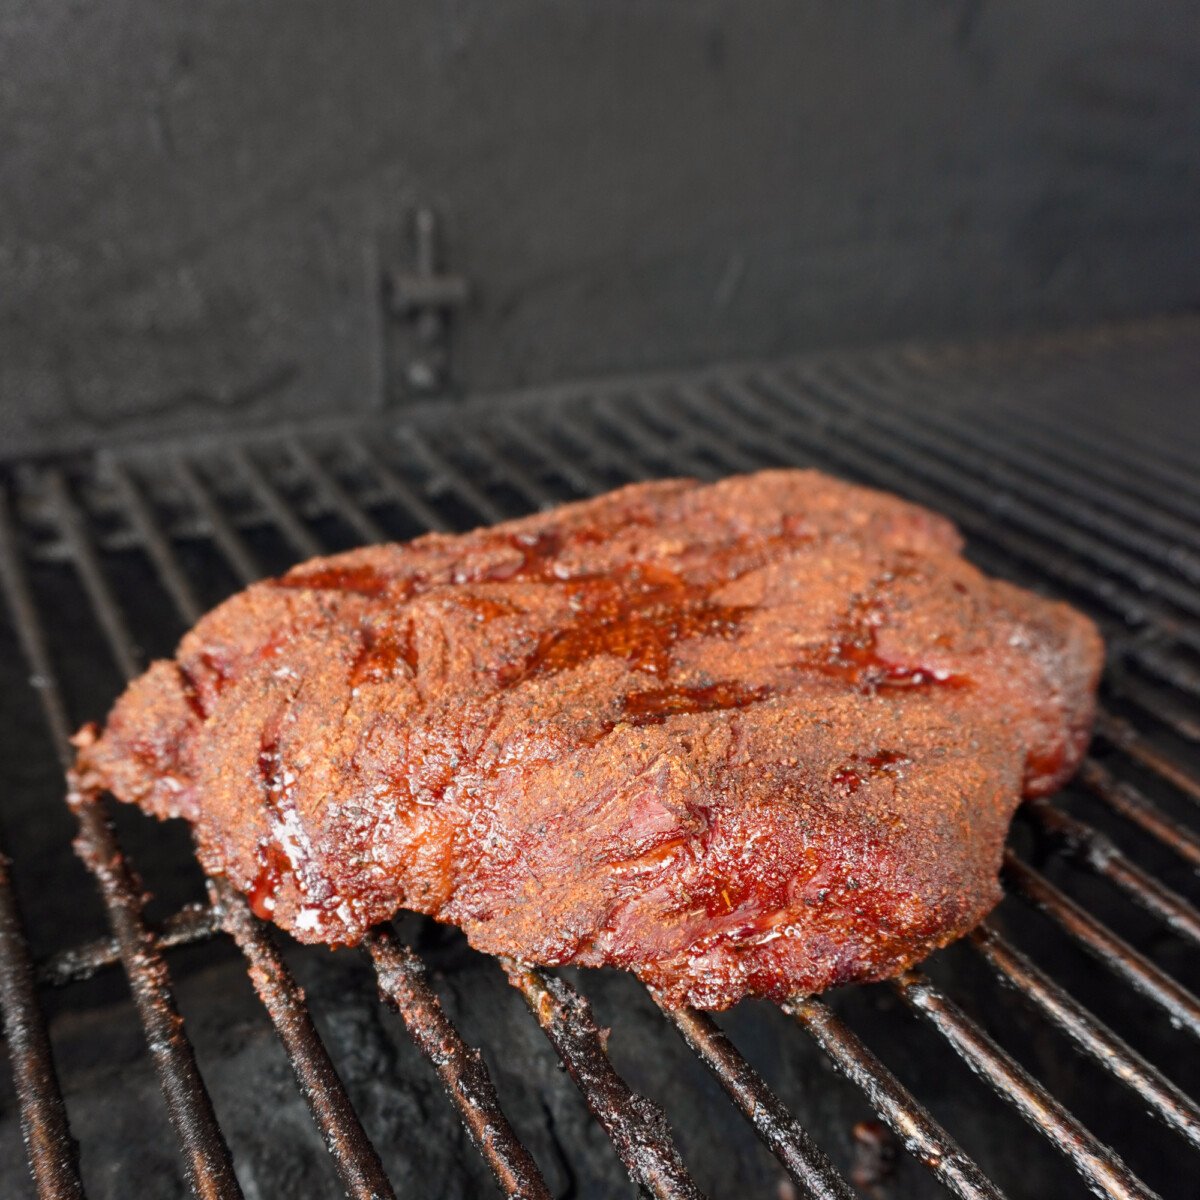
point(1014, 444)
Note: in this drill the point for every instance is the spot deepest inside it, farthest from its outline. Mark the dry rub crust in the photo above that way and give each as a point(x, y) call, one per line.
point(757, 737)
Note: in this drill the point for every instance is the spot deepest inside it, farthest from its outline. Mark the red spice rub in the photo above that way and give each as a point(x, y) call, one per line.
point(758, 737)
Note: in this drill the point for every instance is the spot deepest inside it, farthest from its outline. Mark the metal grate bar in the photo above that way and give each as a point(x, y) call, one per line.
point(1123, 798)
point(44, 1125)
point(146, 527)
point(1167, 710)
point(804, 1161)
point(1104, 1171)
point(1090, 1035)
point(578, 476)
point(361, 522)
point(355, 1158)
point(1007, 441)
point(1101, 855)
point(897, 1107)
point(952, 440)
point(1127, 739)
point(51, 1151)
point(507, 469)
point(1143, 976)
point(277, 508)
point(1130, 469)
point(404, 986)
point(206, 1156)
point(222, 532)
point(625, 464)
point(401, 981)
point(190, 924)
point(442, 469)
point(425, 515)
point(637, 1128)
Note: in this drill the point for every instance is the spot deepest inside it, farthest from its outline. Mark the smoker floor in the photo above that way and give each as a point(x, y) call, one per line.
point(1140, 380)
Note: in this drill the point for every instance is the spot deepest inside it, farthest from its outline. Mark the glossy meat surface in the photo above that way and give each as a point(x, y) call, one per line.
point(756, 737)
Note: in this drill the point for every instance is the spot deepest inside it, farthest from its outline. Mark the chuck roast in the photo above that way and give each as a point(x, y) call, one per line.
point(756, 737)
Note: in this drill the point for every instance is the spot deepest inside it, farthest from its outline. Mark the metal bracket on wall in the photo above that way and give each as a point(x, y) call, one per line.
point(421, 302)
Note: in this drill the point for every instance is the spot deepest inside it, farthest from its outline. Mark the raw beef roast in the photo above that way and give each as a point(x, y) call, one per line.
point(756, 737)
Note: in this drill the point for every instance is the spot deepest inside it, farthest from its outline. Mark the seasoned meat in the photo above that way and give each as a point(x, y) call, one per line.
point(756, 737)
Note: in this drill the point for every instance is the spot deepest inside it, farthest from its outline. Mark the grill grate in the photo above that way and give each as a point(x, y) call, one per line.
point(1106, 520)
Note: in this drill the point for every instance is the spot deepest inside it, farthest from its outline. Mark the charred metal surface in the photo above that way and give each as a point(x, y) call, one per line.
point(52, 1152)
point(804, 1161)
point(195, 923)
point(403, 984)
point(638, 1129)
point(357, 1163)
point(206, 1155)
point(903, 1114)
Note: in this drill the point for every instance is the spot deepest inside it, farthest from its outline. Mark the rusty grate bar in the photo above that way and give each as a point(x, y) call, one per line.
point(896, 1106)
point(789, 1142)
point(51, 1151)
point(637, 1128)
point(404, 986)
point(191, 924)
point(1127, 739)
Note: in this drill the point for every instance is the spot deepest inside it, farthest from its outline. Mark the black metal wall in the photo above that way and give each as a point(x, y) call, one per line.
point(197, 200)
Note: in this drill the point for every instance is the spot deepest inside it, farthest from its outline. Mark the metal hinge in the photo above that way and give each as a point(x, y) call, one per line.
point(420, 303)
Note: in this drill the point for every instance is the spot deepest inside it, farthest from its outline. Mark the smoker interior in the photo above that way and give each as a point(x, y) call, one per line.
point(1044, 1056)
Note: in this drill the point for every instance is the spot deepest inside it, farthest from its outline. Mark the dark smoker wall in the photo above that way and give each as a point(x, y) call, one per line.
point(197, 201)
